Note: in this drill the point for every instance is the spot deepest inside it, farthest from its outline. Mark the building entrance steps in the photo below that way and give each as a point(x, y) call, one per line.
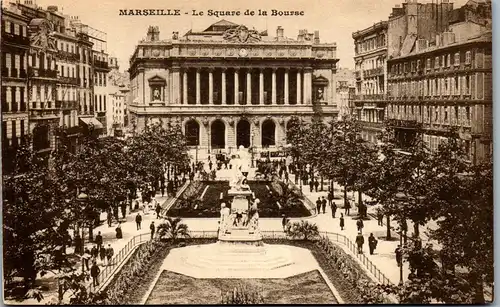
point(244, 261)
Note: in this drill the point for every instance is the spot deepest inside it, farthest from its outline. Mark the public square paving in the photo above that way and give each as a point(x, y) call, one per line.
point(384, 258)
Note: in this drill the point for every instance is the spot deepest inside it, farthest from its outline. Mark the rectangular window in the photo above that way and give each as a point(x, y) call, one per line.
point(104, 102)
point(7, 26)
point(16, 29)
point(468, 57)
point(436, 62)
point(448, 60)
point(428, 63)
point(457, 59)
point(467, 85)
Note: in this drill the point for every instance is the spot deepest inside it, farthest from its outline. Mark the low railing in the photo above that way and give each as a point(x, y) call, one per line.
point(135, 241)
point(117, 260)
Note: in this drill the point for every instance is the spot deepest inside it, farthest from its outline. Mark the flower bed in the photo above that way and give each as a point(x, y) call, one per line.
point(350, 280)
point(132, 282)
point(192, 204)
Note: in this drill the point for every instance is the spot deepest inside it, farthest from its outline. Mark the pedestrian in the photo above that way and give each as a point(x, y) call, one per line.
point(152, 228)
point(78, 244)
point(284, 221)
point(102, 254)
point(318, 206)
point(316, 185)
point(372, 243)
point(119, 233)
point(399, 255)
point(311, 186)
point(286, 176)
point(94, 252)
point(347, 207)
point(323, 204)
point(98, 240)
point(138, 220)
point(334, 209)
point(360, 224)
point(162, 189)
point(86, 257)
point(342, 224)
point(158, 210)
point(380, 217)
point(109, 218)
point(94, 272)
point(123, 207)
point(210, 164)
point(330, 198)
point(109, 254)
point(360, 240)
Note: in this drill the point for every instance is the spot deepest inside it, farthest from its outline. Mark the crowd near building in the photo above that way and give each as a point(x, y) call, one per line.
point(428, 68)
point(229, 85)
point(54, 71)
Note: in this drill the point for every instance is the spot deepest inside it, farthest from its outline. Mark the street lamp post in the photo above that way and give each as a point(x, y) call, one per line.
point(82, 198)
point(253, 149)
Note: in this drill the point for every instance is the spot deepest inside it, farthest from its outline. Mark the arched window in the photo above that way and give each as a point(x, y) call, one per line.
point(268, 133)
point(192, 133)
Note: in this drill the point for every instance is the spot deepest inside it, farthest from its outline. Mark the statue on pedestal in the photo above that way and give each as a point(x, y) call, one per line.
point(224, 217)
point(241, 165)
point(253, 215)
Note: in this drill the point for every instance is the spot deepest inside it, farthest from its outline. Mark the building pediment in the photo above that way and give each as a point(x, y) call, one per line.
point(156, 80)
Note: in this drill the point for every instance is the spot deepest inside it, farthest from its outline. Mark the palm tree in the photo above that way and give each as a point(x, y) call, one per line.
point(172, 228)
point(286, 195)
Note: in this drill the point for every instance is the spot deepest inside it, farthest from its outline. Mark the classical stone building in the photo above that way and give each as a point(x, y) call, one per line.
point(229, 85)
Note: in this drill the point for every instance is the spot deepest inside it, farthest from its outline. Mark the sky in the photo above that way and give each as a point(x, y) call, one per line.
point(335, 20)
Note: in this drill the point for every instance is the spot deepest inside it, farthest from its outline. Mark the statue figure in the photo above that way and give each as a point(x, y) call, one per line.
point(224, 217)
point(253, 215)
point(241, 164)
point(156, 94)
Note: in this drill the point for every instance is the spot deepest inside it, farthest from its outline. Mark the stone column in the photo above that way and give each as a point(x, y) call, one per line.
point(273, 101)
point(185, 86)
point(223, 90)
point(249, 86)
point(286, 86)
point(210, 86)
point(176, 85)
point(299, 87)
point(261, 86)
point(307, 86)
point(198, 86)
point(236, 86)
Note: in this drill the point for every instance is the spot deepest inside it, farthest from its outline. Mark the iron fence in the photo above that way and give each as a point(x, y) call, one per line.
point(117, 260)
point(135, 241)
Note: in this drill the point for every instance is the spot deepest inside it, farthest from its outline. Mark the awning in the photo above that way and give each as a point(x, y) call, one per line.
point(92, 122)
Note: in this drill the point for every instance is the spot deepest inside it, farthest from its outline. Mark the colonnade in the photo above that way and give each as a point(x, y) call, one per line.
point(302, 85)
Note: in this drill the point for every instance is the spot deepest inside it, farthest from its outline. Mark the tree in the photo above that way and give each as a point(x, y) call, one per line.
point(172, 228)
point(32, 218)
point(461, 201)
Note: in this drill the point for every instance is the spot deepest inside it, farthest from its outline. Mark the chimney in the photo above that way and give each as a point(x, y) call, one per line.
point(448, 38)
point(52, 8)
point(300, 37)
point(279, 33)
point(422, 44)
point(316, 37)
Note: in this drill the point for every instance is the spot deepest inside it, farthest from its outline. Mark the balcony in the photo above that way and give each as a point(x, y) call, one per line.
point(370, 97)
point(101, 65)
point(378, 125)
point(69, 80)
point(379, 71)
point(15, 39)
point(68, 56)
point(404, 124)
point(66, 105)
point(42, 73)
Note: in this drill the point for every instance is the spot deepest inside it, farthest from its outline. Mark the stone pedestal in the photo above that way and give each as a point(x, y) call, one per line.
point(237, 228)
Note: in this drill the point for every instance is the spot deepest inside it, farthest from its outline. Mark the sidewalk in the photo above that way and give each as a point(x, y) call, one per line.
point(129, 230)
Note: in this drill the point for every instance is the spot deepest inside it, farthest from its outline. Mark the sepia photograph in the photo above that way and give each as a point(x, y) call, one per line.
point(195, 152)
